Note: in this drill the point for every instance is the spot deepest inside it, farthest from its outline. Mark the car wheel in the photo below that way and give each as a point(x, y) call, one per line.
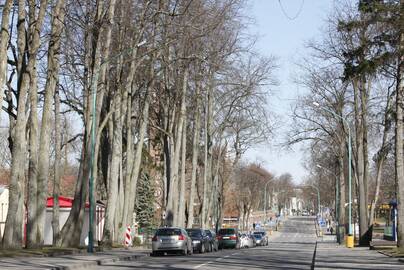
point(185, 251)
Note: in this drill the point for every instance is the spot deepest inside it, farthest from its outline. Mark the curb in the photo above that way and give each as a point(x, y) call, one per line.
point(313, 261)
point(88, 264)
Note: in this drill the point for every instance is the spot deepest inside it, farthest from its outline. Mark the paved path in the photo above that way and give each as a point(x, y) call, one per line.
point(333, 256)
point(77, 261)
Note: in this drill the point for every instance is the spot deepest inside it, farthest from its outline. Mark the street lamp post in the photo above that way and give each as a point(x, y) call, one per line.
point(94, 86)
point(349, 168)
point(336, 199)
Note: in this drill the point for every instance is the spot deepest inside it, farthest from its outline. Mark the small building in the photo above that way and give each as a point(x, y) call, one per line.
point(65, 205)
point(3, 208)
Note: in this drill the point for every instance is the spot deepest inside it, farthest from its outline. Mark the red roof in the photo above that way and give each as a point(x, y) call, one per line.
point(64, 202)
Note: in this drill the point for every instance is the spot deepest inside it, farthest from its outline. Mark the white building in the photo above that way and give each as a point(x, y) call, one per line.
point(3, 208)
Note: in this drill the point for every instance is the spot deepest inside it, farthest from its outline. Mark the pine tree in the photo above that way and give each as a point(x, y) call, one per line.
point(145, 201)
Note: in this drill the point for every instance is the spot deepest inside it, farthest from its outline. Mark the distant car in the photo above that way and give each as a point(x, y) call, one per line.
point(265, 240)
point(228, 238)
point(246, 241)
point(259, 239)
point(305, 213)
point(214, 243)
point(200, 240)
point(171, 240)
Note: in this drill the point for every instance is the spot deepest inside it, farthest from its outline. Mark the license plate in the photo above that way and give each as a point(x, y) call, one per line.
point(226, 237)
point(168, 241)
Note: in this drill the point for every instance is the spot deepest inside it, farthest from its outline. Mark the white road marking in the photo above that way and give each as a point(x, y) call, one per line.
point(218, 259)
point(200, 265)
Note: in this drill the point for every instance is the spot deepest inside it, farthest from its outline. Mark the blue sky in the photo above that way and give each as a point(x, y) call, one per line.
point(284, 38)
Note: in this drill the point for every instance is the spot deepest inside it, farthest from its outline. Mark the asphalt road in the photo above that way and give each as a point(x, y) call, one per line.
point(291, 248)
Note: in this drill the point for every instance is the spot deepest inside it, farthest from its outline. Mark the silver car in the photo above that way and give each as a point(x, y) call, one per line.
point(246, 241)
point(171, 240)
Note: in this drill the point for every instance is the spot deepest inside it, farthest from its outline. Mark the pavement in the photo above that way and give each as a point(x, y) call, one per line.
point(73, 261)
point(294, 246)
point(334, 256)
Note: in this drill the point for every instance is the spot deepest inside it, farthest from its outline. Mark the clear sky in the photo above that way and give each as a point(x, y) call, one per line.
point(282, 36)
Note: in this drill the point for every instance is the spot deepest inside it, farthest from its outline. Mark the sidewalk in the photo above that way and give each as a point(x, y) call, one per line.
point(65, 262)
point(334, 256)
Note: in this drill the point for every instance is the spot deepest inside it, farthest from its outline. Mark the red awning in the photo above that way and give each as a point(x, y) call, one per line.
point(64, 202)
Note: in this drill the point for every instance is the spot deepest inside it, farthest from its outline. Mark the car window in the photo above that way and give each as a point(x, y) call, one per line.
point(208, 233)
point(226, 231)
point(168, 232)
point(194, 233)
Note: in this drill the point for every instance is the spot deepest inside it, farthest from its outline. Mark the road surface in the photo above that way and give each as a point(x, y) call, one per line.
point(291, 248)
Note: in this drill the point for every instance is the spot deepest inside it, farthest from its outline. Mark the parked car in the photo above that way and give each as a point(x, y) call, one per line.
point(200, 240)
point(259, 239)
point(214, 243)
point(253, 239)
point(246, 241)
point(171, 240)
point(265, 239)
point(228, 238)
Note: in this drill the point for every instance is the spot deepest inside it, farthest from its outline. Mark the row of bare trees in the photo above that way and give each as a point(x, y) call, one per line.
point(354, 72)
point(171, 88)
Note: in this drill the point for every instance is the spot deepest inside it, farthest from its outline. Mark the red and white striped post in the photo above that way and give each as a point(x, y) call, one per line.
point(128, 237)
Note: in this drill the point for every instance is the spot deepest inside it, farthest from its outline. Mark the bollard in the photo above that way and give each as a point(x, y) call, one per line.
point(349, 241)
point(128, 237)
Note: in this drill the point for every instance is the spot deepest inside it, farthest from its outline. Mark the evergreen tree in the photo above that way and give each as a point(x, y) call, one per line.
point(145, 201)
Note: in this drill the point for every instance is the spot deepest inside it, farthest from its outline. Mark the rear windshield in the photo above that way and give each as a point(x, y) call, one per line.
point(208, 233)
point(226, 231)
point(194, 233)
point(168, 232)
point(258, 236)
point(260, 233)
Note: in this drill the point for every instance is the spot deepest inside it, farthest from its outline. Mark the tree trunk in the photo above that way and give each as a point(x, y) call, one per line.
point(382, 154)
point(32, 204)
point(360, 163)
point(72, 229)
point(173, 191)
point(181, 208)
point(116, 159)
point(44, 143)
point(135, 169)
point(399, 158)
point(12, 237)
point(195, 154)
point(4, 39)
point(58, 173)
point(208, 154)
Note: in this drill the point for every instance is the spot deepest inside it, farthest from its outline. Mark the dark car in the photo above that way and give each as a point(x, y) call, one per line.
point(200, 240)
point(259, 239)
point(228, 238)
point(264, 241)
point(214, 243)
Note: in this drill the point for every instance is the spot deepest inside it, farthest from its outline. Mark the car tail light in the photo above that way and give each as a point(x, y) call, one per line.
point(154, 239)
point(233, 237)
point(181, 237)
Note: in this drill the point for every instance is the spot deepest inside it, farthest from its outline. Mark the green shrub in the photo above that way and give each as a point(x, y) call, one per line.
point(137, 241)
